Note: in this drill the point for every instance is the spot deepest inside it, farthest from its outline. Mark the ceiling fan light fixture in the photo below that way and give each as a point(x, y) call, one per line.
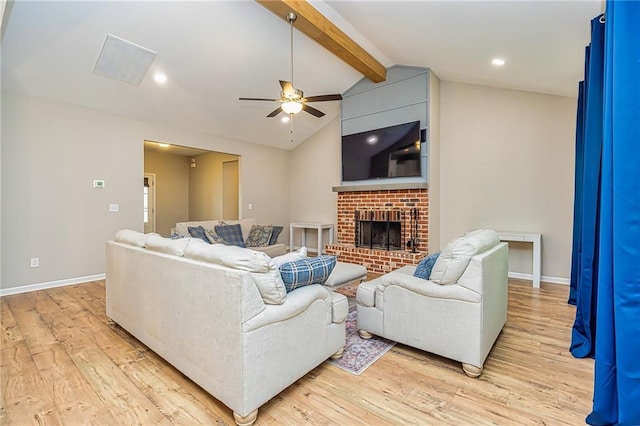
point(291, 107)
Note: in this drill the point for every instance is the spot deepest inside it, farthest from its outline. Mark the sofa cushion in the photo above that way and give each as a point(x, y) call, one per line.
point(270, 285)
point(312, 270)
point(132, 238)
point(167, 245)
point(455, 257)
point(231, 256)
point(275, 233)
point(231, 234)
point(423, 270)
point(264, 271)
point(199, 232)
point(259, 236)
point(182, 227)
point(299, 254)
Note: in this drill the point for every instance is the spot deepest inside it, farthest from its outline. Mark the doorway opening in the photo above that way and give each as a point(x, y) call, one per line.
point(191, 184)
point(149, 202)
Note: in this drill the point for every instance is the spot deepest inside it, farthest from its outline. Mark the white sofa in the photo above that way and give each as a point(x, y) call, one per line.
point(217, 314)
point(272, 250)
point(458, 313)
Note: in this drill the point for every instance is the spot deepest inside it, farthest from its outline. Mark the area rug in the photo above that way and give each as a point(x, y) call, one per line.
point(360, 353)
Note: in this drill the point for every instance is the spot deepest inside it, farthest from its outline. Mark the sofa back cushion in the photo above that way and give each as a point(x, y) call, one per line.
point(167, 245)
point(132, 238)
point(455, 256)
point(182, 228)
point(264, 271)
point(292, 256)
point(231, 256)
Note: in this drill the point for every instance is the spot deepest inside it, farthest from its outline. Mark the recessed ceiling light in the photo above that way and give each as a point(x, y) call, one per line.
point(497, 62)
point(372, 139)
point(285, 119)
point(160, 78)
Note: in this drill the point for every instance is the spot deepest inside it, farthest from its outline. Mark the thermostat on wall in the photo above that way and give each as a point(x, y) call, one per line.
point(98, 183)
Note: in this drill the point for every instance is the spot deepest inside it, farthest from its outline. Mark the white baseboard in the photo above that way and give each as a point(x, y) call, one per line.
point(544, 278)
point(50, 284)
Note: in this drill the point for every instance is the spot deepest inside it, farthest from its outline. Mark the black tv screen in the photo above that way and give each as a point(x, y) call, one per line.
point(388, 152)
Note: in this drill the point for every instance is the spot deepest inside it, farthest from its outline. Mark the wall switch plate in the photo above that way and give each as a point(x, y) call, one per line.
point(35, 262)
point(250, 206)
point(98, 183)
point(114, 208)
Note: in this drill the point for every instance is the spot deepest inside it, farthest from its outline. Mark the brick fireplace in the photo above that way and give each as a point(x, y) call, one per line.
point(403, 211)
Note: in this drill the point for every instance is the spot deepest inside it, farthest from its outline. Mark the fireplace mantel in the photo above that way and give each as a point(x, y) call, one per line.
point(381, 187)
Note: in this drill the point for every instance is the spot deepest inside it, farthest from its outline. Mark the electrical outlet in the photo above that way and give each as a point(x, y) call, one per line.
point(35, 262)
point(250, 206)
point(114, 208)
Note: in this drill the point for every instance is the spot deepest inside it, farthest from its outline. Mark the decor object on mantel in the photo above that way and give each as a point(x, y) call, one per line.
point(458, 313)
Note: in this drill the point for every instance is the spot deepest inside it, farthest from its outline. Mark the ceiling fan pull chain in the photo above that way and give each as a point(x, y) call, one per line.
point(291, 121)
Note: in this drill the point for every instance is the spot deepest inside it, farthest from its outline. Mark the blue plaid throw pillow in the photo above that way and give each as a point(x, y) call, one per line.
point(311, 270)
point(198, 232)
point(231, 235)
point(423, 270)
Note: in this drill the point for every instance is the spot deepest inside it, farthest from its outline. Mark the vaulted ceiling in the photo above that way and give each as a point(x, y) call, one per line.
point(216, 51)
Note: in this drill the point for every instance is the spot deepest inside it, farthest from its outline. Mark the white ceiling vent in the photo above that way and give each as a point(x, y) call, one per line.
point(123, 60)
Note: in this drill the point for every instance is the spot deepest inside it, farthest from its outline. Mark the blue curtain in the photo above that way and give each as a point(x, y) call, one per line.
point(611, 280)
point(576, 251)
point(583, 334)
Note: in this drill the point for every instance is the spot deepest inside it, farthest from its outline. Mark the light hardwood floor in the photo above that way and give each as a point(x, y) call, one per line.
point(63, 362)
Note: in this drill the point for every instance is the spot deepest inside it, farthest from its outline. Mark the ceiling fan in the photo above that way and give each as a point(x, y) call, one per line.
point(292, 99)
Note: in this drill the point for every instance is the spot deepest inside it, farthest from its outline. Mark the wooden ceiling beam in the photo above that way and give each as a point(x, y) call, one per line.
point(326, 33)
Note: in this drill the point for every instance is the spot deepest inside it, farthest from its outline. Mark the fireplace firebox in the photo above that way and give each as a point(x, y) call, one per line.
point(386, 229)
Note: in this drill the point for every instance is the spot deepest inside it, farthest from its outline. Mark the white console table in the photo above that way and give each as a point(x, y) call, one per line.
point(320, 227)
point(528, 237)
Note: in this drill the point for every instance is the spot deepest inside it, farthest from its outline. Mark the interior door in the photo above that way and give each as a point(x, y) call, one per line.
point(149, 202)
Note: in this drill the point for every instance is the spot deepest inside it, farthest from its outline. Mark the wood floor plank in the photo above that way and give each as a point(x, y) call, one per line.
point(62, 361)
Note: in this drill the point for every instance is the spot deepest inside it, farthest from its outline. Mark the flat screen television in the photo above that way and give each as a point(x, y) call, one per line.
point(388, 152)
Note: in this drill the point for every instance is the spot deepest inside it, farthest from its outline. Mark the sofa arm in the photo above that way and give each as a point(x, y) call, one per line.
point(401, 278)
point(297, 301)
point(339, 307)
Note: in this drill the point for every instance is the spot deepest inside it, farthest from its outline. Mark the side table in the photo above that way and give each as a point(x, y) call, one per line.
point(319, 227)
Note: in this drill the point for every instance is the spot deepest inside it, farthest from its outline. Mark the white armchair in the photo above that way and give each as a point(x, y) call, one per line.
point(458, 313)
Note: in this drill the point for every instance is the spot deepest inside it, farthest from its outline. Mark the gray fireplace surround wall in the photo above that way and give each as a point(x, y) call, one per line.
point(401, 98)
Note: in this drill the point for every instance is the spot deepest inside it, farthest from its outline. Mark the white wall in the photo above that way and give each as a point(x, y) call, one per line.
point(206, 186)
point(507, 163)
point(172, 188)
point(315, 170)
point(51, 152)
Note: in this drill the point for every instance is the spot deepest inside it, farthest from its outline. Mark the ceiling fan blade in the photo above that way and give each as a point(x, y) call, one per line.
point(311, 110)
point(322, 98)
point(287, 87)
point(257, 99)
point(275, 112)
